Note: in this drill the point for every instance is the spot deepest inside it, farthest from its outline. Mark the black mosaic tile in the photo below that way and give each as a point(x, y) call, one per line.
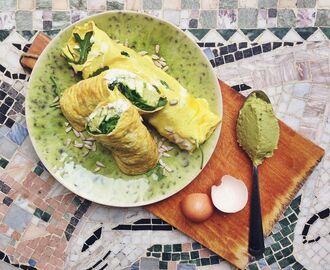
point(4, 188)
point(278, 255)
point(272, 13)
point(67, 236)
point(177, 247)
point(297, 266)
point(6, 259)
point(9, 123)
point(91, 240)
point(194, 254)
point(200, 44)
point(324, 214)
point(157, 248)
point(247, 53)
point(8, 74)
point(12, 92)
point(193, 23)
point(162, 265)
point(166, 256)
point(287, 251)
point(156, 255)
point(175, 256)
point(74, 221)
point(245, 87)
point(22, 76)
point(2, 118)
point(236, 87)
point(256, 50)
point(9, 101)
point(98, 233)
point(196, 245)
point(220, 44)
point(84, 248)
point(3, 163)
point(214, 259)
point(185, 256)
point(238, 55)
point(276, 45)
point(288, 44)
point(223, 50)
point(215, 52)
point(7, 201)
point(212, 63)
point(284, 222)
point(104, 267)
point(5, 86)
point(209, 44)
point(70, 229)
point(275, 247)
point(311, 220)
point(45, 216)
point(2, 68)
point(141, 227)
point(4, 108)
point(2, 95)
point(219, 61)
point(253, 266)
point(15, 76)
point(205, 261)
point(20, 98)
point(242, 45)
point(18, 46)
point(123, 228)
point(162, 228)
point(2, 255)
point(229, 58)
point(232, 47)
point(143, 221)
point(266, 47)
point(106, 255)
point(156, 221)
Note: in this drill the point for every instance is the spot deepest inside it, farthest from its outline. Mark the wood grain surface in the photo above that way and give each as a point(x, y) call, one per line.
point(280, 178)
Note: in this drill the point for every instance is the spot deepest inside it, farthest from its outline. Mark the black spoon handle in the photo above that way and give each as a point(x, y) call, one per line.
point(256, 236)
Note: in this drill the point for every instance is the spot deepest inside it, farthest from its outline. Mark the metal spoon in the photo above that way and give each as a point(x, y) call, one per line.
point(256, 237)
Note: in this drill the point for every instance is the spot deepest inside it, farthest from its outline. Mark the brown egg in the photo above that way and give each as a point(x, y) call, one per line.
point(197, 207)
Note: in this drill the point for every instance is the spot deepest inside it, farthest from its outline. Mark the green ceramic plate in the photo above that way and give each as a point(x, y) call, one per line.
point(47, 125)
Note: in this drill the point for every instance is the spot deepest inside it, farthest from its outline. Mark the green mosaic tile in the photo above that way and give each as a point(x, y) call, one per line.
point(291, 226)
point(283, 263)
point(78, 4)
point(267, 3)
point(38, 170)
point(267, 251)
point(23, 20)
point(51, 33)
point(189, 4)
point(278, 255)
point(284, 222)
point(151, 248)
point(162, 265)
point(194, 254)
point(7, 5)
point(175, 256)
point(38, 212)
point(152, 4)
point(288, 211)
point(286, 231)
point(226, 33)
point(275, 247)
point(3, 163)
point(167, 248)
point(305, 32)
point(277, 236)
point(166, 256)
point(287, 251)
point(285, 242)
point(157, 255)
point(177, 248)
point(247, 17)
point(157, 248)
point(306, 3)
point(228, 4)
point(61, 19)
point(4, 34)
point(199, 33)
point(326, 31)
point(292, 218)
point(44, 4)
point(252, 34)
point(291, 237)
point(253, 266)
point(208, 18)
point(214, 259)
point(279, 32)
point(205, 261)
point(295, 203)
point(76, 201)
point(270, 259)
point(115, 5)
point(185, 256)
point(45, 216)
point(297, 266)
point(286, 18)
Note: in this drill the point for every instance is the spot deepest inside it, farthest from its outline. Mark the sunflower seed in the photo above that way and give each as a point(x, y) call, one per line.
point(91, 139)
point(66, 124)
point(165, 68)
point(157, 47)
point(126, 43)
point(56, 104)
point(68, 141)
point(97, 169)
point(100, 164)
point(85, 154)
point(88, 142)
point(157, 64)
point(94, 147)
point(68, 129)
point(89, 147)
point(166, 155)
point(165, 166)
point(56, 99)
point(82, 136)
point(76, 133)
point(162, 59)
point(173, 102)
point(162, 63)
point(78, 145)
point(142, 53)
point(154, 57)
point(168, 129)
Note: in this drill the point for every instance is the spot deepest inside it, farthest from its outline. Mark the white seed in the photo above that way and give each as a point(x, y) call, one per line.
point(56, 99)
point(97, 169)
point(88, 142)
point(165, 166)
point(66, 124)
point(126, 43)
point(142, 53)
point(160, 144)
point(82, 136)
point(157, 64)
point(162, 63)
point(165, 68)
point(89, 147)
point(91, 139)
point(85, 154)
point(154, 57)
point(167, 148)
point(94, 147)
point(157, 48)
point(168, 129)
point(166, 155)
point(162, 59)
point(58, 106)
point(100, 164)
point(68, 129)
point(78, 145)
point(76, 133)
point(173, 102)
point(68, 141)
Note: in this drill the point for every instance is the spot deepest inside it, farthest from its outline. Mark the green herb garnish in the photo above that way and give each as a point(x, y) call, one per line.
point(157, 170)
point(124, 53)
point(54, 86)
point(164, 83)
point(99, 71)
point(107, 126)
point(202, 153)
point(134, 97)
point(85, 46)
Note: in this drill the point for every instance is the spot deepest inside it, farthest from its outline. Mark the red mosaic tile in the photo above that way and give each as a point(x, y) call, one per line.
point(10, 250)
point(186, 247)
point(16, 235)
point(3, 228)
point(33, 243)
point(204, 253)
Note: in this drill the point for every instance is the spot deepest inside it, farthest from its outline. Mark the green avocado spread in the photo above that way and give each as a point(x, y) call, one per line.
point(257, 129)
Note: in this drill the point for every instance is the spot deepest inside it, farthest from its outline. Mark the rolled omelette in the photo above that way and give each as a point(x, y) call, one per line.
point(185, 120)
point(78, 101)
point(117, 125)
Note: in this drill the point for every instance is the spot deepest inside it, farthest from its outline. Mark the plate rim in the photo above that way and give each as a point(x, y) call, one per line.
point(217, 131)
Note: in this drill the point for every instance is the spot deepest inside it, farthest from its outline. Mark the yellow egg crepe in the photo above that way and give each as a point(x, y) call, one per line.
point(117, 125)
point(184, 120)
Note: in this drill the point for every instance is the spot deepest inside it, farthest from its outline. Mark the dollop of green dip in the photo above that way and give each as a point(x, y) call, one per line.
point(257, 129)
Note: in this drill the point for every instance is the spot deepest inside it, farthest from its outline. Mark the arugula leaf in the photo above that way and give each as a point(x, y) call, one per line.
point(158, 170)
point(54, 86)
point(85, 46)
point(134, 97)
point(124, 53)
point(164, 83)
point(99, 71)
point(107, 126)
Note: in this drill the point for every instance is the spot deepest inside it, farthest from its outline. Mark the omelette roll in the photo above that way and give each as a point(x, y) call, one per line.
point(117, 125)
point(79, 100)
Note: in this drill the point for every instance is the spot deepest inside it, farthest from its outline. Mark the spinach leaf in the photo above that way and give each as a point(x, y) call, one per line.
point(158, 170)
point(107, 126)
point(99, 71)
point(164, 83)
point(124, 53)
point(85, 46)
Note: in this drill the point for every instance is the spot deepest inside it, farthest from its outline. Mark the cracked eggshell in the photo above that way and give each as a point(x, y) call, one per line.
point(230, 196)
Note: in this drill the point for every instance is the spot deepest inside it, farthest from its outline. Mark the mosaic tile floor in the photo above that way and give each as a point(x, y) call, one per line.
point(276, 45)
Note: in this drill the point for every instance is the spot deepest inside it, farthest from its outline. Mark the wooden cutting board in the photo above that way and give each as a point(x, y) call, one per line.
point(280, 178)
